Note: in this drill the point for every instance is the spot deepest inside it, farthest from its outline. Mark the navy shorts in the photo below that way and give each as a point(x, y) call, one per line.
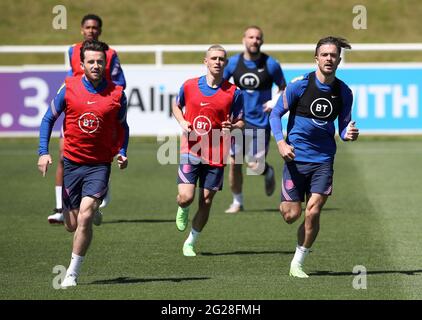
point(300, 178)
point(84, 181)
point(254, 145)
point(210, 178)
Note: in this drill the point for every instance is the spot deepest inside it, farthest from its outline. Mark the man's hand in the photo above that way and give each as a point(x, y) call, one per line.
point(186, 126)
point(43, 162)
point(352, 132)
point(227, 125)
point(268, 106)
point(122, 161)
point(286, 151)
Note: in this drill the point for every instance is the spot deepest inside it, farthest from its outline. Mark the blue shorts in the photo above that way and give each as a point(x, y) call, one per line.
point(84, 181)
point(210, 178)
point(255, 143)
point(300, 178)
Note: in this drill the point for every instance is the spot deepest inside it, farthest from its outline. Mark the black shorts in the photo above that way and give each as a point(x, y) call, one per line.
point(84, 180)
point(300, 178)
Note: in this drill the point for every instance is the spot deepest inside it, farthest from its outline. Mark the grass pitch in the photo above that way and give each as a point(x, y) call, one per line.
point(372, 219)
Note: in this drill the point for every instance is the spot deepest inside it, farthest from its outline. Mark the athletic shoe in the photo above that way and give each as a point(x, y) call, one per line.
point(188, 250)
point(297, 272)
point(106, 199)
point(57, 217)
point(269, 181)
point(234, 208)
point(69, 280)
point(182, 218)
point(98, 218)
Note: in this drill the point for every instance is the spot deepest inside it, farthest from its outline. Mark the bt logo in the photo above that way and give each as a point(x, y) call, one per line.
point(321, 108)
point(88, 122)
point(202, 125)
point(249, 81)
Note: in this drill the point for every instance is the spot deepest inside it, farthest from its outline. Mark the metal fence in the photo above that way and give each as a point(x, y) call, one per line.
point(159, 50)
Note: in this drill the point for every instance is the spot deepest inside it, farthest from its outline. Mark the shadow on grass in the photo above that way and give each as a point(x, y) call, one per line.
point(268, 210)
point(348, 273)
point(139, 221)
point(277, 210)
point(244, 253)
point(126, 280)
point(253, 211)
point(330, 209)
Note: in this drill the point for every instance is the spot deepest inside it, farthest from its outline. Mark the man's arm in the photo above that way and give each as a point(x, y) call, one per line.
point(287, 98)
point(70, 53)
point(229, 68)
point(122, 160)
point(277, 74)
point(116, 71)
point(57, 106)
point(347, 128)
point(177, 108)
point(235, 119)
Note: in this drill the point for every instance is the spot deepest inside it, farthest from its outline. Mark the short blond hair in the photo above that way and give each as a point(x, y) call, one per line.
point(253, 27)
point(216, 47)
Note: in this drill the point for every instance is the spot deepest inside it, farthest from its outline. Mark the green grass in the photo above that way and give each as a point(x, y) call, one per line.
point(372, 219)
point(26, 22)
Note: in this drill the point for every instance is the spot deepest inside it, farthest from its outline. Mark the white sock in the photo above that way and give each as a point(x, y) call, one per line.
point(300, 255)
point(59, 204)
point(75, 264)
point(193, 235)
point(238, 199)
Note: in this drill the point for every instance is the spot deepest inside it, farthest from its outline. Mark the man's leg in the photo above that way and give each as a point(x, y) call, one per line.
point(236, 182)
point(185, 196)
point(291, 211)
point(269, 170)
point(199, 221)
point(262, 138)
point(293, 189)
point(83, 234)
point(82, 238)
point(204, 206)
point(107, 197)
point(71, 219)
point(307, 233)
point(81, 183)
point(210, 181)
point(261, 167)
point(57, 215)
point(269, 177)
point(310, 227)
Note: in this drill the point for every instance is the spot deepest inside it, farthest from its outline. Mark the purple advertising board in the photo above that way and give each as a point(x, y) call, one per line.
point(25, 98)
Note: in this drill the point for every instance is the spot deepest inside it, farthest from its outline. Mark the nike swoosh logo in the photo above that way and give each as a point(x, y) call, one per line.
point(91, 102)
point(204, 103)
point(261, 70)
point(333, 97)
